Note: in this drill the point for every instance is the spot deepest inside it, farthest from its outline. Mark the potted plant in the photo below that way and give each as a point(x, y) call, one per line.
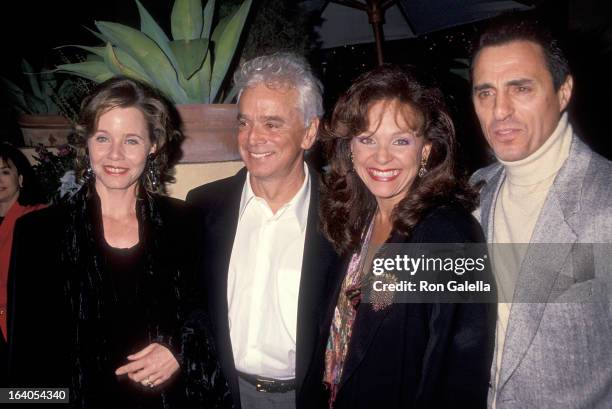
point(45, 107)
point(191, 69)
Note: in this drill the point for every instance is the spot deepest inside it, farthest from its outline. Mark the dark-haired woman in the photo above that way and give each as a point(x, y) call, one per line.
point(393, 180)
point(19, 195)
point(99, 282)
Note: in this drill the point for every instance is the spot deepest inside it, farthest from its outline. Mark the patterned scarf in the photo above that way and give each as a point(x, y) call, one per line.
point(344, 317)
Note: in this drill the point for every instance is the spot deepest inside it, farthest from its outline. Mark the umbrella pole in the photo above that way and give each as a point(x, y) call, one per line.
point(375, 16)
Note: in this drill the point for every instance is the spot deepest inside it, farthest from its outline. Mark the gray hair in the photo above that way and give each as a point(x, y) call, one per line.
point(284, 68)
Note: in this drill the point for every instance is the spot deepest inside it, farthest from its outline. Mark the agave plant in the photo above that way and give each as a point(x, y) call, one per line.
point(190, 68)
point(47, 94)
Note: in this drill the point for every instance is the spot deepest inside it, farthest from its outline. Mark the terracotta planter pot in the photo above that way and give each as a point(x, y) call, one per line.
point(50, 130)
point(211, 132)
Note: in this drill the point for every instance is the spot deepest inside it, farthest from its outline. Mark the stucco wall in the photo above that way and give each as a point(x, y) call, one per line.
point(190, 175)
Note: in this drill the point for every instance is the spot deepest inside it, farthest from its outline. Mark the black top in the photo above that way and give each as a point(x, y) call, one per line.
point(125, 326)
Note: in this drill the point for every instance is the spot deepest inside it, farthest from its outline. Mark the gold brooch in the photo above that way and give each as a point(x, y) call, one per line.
point(381, 300)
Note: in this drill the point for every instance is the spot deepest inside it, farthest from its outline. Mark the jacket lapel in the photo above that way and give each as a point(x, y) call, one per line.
point(485, 215)
point(316, 263)
point(488, 199)
point(539, 271)
point(221, 225)
point(365, 328)
point(543, 263)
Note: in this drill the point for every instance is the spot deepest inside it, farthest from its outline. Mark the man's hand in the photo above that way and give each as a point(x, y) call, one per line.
point(151, 366)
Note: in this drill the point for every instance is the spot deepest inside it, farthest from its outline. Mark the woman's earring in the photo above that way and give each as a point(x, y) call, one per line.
point(89, 173)
point(352, 160)
point(422, 169)
point(152, 172)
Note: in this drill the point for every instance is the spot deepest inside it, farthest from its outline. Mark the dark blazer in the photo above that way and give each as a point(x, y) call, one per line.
point(417, 355)
point(220, 202)
point(60, 302)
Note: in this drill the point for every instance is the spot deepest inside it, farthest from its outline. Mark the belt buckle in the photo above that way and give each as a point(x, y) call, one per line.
point(261, 385)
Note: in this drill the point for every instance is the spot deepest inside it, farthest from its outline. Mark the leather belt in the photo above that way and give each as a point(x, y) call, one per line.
point(270, 385)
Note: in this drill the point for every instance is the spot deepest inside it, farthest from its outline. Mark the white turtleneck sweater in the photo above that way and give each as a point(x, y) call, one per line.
point(518, 205)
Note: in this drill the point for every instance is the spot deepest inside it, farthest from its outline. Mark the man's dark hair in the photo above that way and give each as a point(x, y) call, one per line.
point(513, 27)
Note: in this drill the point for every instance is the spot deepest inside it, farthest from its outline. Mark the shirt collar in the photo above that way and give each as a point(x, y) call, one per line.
point(299, 204)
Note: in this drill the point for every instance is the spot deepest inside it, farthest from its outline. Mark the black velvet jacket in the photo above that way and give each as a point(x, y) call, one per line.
point(60, 302)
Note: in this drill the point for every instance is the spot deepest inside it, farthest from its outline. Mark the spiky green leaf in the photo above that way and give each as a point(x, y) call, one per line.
point(99, 51)
point(190, 55)
point(123, 58)
point(32, 79)
point(38, 105)
point(96, 71)
point(48, 84)
point(231, 95)
point(93, 58)
point(15, 95)
point(461, 72)
point(148, 54)
point(207, 17)
point(99, 35)
point(186, 19)
point(66, 89)
point(198, 86)
point(227, 36)
point(118, 68)
point(149, 26)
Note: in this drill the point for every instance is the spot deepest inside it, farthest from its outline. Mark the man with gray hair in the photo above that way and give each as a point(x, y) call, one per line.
point(264, 261)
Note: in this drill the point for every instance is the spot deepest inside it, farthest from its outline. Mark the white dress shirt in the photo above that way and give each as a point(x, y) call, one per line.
point(264, 280)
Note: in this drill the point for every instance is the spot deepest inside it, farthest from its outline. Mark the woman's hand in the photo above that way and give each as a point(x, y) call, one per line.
point(151, 366)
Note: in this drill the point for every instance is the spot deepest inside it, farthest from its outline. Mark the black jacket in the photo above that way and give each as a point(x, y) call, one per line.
point(220, 202)
point(434, 356)
point(59, 303)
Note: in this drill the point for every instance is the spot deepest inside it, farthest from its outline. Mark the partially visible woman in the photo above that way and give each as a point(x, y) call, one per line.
point(393, 179)
point(100, 282)
point(19, 195)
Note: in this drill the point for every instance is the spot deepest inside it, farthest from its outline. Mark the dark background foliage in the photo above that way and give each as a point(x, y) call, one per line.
point(31, 29)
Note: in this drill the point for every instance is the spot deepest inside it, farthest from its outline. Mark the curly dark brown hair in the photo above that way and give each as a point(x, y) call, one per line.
point(162, 119)
point(347, 204)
